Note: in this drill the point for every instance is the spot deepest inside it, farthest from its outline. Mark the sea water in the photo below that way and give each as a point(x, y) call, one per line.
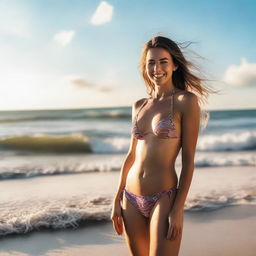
point(59, 168)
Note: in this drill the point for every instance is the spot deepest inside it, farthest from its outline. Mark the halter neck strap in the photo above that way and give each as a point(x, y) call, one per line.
point(171, 94)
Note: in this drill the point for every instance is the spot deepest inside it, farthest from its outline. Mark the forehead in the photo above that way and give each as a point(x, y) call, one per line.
point(157, 53)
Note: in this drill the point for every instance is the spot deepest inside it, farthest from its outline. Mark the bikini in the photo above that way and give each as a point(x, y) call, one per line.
point(144, 204)
point(165, 129)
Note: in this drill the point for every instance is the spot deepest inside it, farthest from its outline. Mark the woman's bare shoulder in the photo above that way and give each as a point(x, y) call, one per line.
point(188, 100)
point(138, 103)
point(187, 96)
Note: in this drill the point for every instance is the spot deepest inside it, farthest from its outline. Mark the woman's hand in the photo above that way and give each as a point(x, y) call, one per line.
point(116, 217)
point(175, 220)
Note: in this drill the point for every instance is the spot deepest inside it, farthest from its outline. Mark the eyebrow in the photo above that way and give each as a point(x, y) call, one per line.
point(159, 59)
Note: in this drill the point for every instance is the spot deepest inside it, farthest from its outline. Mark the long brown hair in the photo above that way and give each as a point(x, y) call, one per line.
point(183, 78)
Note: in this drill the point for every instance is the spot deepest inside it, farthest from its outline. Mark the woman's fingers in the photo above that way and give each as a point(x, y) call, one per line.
point(174, 234)
point(116, 218)
point(115, 224)
point(179, 232)
point(120, 225)
point(169, 233)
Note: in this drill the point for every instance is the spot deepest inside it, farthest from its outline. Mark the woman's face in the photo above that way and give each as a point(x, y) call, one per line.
point(159, 66)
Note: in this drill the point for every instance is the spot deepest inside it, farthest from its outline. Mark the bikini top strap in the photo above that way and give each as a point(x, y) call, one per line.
point(143, 104)
point(172, 103)
point(172, 106)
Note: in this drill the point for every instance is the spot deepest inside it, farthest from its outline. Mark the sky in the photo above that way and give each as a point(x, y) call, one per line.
point(65, 54)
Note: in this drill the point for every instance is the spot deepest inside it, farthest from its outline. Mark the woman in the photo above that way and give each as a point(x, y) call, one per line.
point(150, 201)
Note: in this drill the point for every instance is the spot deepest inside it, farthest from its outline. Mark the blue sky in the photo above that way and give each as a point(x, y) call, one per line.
point(79, 54)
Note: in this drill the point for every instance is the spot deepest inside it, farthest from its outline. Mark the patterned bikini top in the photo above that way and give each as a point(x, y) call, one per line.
point(164, 129)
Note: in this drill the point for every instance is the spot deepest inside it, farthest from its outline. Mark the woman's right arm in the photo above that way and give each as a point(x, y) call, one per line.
point(116, 215)
point(128, 162)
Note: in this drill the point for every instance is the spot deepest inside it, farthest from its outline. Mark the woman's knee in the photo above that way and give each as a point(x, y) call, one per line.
point(165, 248)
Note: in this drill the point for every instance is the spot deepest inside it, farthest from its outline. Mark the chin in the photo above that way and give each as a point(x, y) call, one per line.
point(161, 82)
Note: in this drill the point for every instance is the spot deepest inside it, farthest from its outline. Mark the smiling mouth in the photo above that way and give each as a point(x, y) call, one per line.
point(158, 76)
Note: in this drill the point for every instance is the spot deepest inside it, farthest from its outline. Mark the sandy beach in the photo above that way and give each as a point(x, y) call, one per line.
point(224, 232)
point(230, 230)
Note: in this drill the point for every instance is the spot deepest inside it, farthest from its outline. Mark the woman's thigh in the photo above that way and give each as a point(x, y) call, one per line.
point(159, 245)
point(136, 229)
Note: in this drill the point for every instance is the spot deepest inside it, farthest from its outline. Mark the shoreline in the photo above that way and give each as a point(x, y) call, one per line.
point(226, 231)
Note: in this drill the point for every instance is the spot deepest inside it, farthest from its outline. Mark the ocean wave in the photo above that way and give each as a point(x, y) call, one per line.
point(24, 217)
point(35, 169)
point(114, 113)
point(232, 141)
point(31, 172)
point(235, 141)
point(45, 143)
point(110, 144)
point(72, 143)
point(216, 201)
point(66, 115)
point(233, 159)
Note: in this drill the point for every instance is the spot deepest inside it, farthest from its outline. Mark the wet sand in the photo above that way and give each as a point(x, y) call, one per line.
point(224, 232)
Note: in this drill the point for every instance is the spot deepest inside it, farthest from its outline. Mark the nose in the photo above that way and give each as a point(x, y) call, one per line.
point(156, 68)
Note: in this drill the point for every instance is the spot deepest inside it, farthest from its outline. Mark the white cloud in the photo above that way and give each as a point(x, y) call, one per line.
point(79, 81)
point(103, 14)
point(241, 75)
point(64, 37)
point(82, 82)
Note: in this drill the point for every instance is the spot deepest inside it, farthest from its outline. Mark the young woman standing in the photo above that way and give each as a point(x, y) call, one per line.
point(150, 198)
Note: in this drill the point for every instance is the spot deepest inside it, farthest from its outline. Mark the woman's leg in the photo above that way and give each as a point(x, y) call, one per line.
point(136, 229)
point(159, 245)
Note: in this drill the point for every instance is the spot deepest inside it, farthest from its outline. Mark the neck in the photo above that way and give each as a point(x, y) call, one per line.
point(163, 94)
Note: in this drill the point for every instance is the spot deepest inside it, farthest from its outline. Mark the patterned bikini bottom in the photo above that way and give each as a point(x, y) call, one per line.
point(145, 203)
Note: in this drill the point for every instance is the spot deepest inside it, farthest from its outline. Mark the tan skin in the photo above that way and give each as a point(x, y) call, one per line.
point(149, 166)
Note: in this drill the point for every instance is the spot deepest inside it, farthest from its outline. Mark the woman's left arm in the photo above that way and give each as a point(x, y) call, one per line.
point(190, 129)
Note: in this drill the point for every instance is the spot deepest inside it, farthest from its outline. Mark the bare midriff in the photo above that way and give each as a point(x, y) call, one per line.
point(153, 170)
